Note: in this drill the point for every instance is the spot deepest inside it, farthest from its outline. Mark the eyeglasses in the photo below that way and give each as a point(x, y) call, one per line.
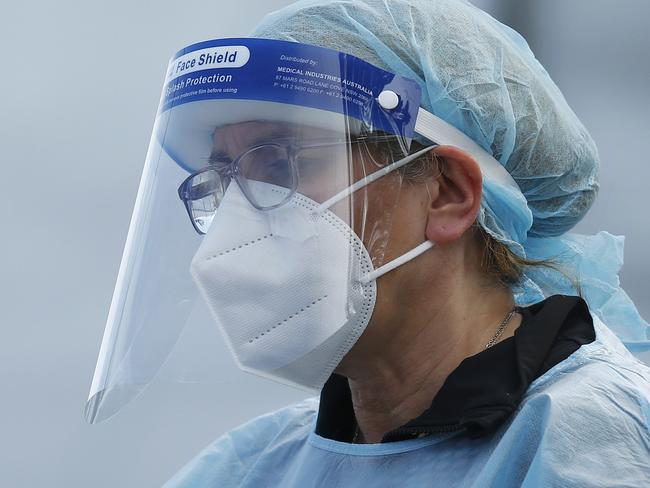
point(274, 162)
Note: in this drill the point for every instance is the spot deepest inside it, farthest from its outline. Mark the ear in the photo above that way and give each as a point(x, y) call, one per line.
point(455, 195)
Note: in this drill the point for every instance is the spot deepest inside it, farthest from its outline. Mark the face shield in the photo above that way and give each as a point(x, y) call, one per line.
point(253, 232)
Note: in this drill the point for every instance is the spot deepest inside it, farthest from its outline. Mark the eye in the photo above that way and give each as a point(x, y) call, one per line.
point(267, 163)
point(278, 164)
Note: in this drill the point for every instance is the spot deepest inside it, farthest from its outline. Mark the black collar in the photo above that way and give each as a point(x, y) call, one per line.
point(482, 392)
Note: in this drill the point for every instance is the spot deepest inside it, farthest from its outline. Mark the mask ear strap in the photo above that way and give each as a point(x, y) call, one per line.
point(370, 178)
point(404, 258)
point(391, 265)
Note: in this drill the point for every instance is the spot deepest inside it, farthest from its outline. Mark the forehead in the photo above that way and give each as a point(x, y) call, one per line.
point(232, 139)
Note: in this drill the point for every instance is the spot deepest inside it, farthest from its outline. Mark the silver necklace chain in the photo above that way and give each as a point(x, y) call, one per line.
point(502, 326)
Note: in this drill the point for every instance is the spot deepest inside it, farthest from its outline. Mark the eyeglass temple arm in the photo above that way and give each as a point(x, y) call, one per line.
point(370, 178)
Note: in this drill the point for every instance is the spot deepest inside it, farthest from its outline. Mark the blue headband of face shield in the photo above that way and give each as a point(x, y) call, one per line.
point(327, 84)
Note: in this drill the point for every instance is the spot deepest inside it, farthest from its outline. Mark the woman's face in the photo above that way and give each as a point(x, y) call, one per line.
point(387, 214)
point(391, 216)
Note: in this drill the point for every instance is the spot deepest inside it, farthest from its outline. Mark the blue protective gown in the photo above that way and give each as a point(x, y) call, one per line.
point(582, 423)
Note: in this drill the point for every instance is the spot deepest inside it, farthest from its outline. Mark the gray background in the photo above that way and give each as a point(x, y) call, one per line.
point(80, 82)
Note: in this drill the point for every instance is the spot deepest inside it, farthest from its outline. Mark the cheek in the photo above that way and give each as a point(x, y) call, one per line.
point(389, 216)
point(395, 220)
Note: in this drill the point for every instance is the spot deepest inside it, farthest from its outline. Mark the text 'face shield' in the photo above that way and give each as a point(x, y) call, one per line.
point(248, 204)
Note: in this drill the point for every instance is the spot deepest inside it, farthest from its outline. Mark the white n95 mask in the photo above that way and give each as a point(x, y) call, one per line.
point(292, 288)
point(284, 285)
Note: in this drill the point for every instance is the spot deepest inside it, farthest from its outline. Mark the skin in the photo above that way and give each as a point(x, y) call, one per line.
point(432, 312)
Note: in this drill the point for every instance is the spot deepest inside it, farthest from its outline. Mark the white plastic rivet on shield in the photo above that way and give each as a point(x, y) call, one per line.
point(388, 99)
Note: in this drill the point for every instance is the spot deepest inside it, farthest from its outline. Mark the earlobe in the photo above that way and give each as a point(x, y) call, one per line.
point(456, 196)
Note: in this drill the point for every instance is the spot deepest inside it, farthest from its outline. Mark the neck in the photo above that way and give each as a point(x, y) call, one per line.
point(401, 362)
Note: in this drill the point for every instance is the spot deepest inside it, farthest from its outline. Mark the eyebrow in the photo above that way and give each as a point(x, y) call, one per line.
point(216, 156)
point(260, 136)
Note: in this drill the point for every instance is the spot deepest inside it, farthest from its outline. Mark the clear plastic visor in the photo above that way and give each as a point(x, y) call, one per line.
point(203, 155)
